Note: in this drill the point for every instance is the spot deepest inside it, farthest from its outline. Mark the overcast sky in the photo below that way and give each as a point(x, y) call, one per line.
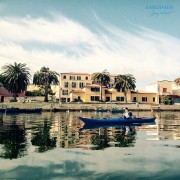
point(122, 36)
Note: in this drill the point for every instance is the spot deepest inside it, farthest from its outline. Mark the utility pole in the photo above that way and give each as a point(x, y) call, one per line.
point(158, 93)
point(60, 103)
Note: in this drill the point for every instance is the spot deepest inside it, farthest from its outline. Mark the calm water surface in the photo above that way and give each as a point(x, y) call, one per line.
point(55, 146)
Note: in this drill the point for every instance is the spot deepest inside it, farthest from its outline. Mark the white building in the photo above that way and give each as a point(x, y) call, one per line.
point(164, 88)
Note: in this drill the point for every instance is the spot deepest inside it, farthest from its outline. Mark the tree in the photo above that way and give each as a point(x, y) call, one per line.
point(45, 78)
point(167, 100)
point(125, 83)
point(101, 78)
point(1, 80)
point(177, 81)
point(16, 78)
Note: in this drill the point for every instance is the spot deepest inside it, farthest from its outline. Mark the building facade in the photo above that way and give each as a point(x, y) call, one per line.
point(72, 81)
point(6, 96)
point(164, 88)
point(91, 93)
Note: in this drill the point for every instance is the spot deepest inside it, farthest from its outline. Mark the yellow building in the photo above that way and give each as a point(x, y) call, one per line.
point(141, 96)
point(32, 87)
point(91, 93)
point(72, 81)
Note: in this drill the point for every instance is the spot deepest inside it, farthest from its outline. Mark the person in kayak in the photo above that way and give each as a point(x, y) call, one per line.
point(127, 114)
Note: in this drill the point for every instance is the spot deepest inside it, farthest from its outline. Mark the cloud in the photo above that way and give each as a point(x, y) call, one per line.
point(65, 45)
point(59, 31)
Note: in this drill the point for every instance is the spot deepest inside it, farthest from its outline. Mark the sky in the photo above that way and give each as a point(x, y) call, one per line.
point(139, 37)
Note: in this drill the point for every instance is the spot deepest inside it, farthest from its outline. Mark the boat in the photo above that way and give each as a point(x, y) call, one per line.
point(101, 110)
point(117, 120)
point(2, 110)
point(24, 110)
point(114, 110)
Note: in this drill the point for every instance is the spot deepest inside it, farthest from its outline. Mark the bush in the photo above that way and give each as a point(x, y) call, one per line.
point(34, 93)
point(167, 100)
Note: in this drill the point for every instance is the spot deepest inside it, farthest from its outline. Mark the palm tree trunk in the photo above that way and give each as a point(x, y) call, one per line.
point(101, 91)
point(15, 97)
point(46, 93)
point(125, 96)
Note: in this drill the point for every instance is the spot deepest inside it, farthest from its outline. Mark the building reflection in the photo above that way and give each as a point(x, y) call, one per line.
point(20, 134)
point(67, 130)
point(12, 138)
point(169, 126)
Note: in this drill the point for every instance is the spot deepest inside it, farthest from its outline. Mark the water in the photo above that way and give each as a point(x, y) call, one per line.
point(54, 146)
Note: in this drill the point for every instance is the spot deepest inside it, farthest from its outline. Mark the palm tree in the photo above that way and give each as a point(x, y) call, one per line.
point(16, 78)
point(1, 80)
point(177, 81)
point(125, 83)
point(101, 78)
point(45, 78)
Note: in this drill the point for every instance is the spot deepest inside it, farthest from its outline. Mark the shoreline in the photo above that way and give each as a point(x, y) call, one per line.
point(55, 107)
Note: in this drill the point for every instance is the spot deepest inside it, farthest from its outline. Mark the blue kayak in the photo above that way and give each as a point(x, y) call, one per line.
point(117, 120)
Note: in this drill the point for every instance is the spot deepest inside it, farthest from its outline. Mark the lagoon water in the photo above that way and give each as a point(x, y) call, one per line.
point(55, 146)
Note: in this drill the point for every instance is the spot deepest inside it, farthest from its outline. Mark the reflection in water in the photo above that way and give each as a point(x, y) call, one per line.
point(41, 137)
point(100, 140)
point(169, 125)
point(97, 153)
point(12, 139)
point(62, 130)
point(117, 137)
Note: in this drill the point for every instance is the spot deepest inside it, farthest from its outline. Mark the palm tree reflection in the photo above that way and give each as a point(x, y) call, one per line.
point(42, 138)
point(100, 141)
point(126, 139)
point(12, 137)
point(122, 137)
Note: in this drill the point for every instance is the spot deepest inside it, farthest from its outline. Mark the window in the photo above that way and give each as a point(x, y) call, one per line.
point(68, 99)
point(64, 92)
point(72, 77)
point(121, 98)
point(134, 99)
point(73, 84)
point(66, 84)
point(63, 99)
point(164, 89)
point(154, 99)
point(95, 89)
point(108, 98)
point(78, 77)
point(64, 77)
point(95, 98)
point(86, 78)
point(81, 84)
point(144, 99)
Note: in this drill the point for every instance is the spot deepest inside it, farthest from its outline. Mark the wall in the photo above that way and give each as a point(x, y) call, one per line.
point(165, 84)
point(152, 88)
point(148, 95)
